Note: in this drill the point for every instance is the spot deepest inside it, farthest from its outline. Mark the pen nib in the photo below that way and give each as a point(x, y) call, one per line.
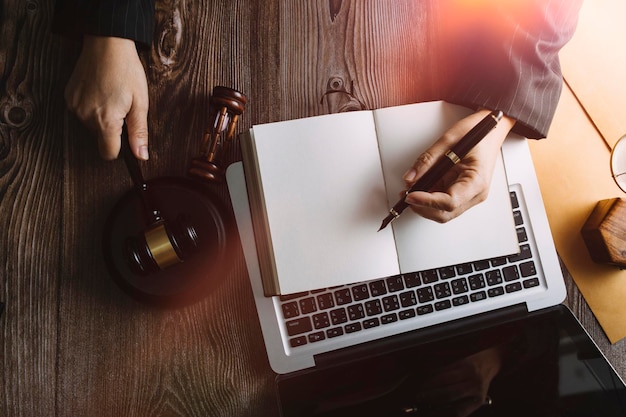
point(386, 221)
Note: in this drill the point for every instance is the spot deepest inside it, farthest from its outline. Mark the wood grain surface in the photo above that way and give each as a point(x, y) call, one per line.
point(71, 342)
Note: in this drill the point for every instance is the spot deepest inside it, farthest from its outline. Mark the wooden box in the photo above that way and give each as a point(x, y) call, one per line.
point(604, 232)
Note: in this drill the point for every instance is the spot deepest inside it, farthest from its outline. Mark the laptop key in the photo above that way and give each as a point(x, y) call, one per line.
point(298, 326)
point(478, 296)
point(378, 288)
point(528, 269)
point(360, 292)
point(320, 320)
point(325, 301)
point(388, 318)
point(464, 269)
point(406, 314)
point(511, 273)
point(373, 308)
point(316, 337)
point(481, 265)
point(425, 295)
point(353, 327)
point(356, 312)
point(459, 301)
point(408, 299)
point(391, 303)
point(412, 280)
point(395, 283)
point(494, 277)
point(442, 290)
point(521, 235)
point(514, 200)
point(495, 292)
point(430, 276)
point(334, 332)
point(513, 287)
point(307, 305)
point(369, 323)
point(338, 316)
point(343, 296)
point(290, 310)
point(442, 305)
point(459, 286)
point(496, 262)
point(477, 281)
point(446, 272)
point(297, 341)
point(530, 283)
point(426, 309)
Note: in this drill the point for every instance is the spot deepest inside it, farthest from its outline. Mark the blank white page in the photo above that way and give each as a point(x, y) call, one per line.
point(486, 230)
point(325, 199)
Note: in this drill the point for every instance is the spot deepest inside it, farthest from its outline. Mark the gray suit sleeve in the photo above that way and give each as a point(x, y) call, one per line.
point(131, 19)
point(508, 60)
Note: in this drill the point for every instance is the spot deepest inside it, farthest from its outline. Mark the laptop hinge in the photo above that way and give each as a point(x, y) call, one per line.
point(418, 337)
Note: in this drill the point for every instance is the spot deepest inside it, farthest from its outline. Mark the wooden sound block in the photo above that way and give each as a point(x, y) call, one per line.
point(198, 275)
point(604, 232)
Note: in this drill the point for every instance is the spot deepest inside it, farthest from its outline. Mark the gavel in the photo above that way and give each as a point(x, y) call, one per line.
point(167, 240)
point(167, 243)
point(163, 243)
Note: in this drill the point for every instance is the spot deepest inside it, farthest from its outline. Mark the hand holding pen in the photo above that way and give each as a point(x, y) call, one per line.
point(473, 171)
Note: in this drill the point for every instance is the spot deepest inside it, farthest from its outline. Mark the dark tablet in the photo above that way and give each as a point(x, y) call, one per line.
point(544, 364)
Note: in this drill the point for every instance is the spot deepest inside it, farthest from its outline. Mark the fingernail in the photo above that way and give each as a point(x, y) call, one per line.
point(143, 152)
point(410, 175)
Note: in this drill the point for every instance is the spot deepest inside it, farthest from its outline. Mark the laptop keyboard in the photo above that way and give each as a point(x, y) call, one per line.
point(314, 316)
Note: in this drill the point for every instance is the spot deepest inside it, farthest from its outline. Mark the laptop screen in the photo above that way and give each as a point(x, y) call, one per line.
point(542, 365)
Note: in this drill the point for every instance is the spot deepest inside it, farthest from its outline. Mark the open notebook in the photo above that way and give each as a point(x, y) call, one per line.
point(322, 327)
point(320, 186)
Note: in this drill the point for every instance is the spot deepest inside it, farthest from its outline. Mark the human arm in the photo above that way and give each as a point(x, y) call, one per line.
point(108, 84)
point(504, 56)
point(501, 56)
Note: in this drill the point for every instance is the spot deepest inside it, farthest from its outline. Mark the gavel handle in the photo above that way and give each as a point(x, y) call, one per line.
point(152, 214)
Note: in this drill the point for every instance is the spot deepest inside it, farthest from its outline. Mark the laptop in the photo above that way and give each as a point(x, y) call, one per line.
point(324, 328)
point(435, 296)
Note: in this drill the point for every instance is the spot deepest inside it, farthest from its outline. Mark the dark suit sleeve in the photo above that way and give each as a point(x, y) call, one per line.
point(508, 59)
point(131, 19)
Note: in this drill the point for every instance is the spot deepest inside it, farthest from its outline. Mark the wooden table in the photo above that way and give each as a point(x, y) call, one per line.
point(71, 342)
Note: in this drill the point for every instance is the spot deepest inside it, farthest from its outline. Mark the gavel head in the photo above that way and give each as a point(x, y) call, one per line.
point(162, 245)
point(226, 105)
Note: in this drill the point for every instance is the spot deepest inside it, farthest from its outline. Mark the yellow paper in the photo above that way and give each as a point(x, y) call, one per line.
point(574, 174)
point(594, 64)
point(574, 163)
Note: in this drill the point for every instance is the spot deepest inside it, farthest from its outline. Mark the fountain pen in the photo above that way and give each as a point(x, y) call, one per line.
point(451, 158)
